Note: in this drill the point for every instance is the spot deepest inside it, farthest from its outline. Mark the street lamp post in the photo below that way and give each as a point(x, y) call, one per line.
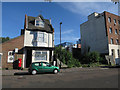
point(60, 34)
point(60, 42)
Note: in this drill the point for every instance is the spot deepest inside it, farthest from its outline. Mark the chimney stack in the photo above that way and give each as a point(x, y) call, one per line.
point(25, 26)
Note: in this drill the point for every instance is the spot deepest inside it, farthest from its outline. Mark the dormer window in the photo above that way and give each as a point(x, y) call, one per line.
point(39, 22)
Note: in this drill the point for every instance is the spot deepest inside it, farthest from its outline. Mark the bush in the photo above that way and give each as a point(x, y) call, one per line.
point(66, 57)
point(91, 57)
point(94, 64)
point(85, 65)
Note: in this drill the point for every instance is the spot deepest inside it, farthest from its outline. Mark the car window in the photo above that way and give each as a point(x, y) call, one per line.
point(44, 64)
point(47, 64)
point(36, 64)
point(40, 64)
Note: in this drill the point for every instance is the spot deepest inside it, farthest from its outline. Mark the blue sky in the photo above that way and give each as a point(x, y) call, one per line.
point(70, 14)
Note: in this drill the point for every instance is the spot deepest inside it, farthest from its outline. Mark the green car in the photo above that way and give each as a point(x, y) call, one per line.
point(42, 67)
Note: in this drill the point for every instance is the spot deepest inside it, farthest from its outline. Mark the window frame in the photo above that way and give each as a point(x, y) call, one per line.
point(10, 55)
point(115, 21)
point(109, 19)
point(40, 37)
point(44, 38)
point(119, 22)
point(117, 41)
point(39, 23)
point(110, 30)
point(111, 41)
point(112, 52)
point(116, 31)
point(39, 58)
point(1, 58)
point(118, 52)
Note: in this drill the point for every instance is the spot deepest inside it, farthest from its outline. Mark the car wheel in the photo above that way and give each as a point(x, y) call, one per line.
point(55, 71)
point(34, 72)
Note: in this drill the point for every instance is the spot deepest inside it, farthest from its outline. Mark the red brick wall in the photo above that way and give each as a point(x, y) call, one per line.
point(10, 45)
point(113, 26)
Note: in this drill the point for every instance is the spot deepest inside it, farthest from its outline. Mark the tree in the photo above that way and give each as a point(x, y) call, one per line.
point(4, 39)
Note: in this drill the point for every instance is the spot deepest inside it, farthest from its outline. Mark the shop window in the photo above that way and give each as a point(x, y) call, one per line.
point(41, 55)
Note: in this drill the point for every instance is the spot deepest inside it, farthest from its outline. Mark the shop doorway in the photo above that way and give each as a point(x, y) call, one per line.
point(28, 58)
point(50, 55)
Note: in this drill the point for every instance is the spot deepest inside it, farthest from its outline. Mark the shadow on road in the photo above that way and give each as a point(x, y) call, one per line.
point(22, 73)
point(110, 66)
point(27, 73)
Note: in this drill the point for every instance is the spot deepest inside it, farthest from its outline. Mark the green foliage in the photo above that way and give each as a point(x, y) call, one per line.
point(91, 65)
point(85, 65)
point(66, 57)
point(4, 39)
point(91, 57)
point(94, 64)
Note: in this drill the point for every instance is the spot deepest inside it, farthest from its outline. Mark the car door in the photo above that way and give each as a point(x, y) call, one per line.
point(47, 67)
point(40, 68)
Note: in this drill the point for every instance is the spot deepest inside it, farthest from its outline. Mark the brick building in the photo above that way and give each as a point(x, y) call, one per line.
point(101, 33)
point(35, 44)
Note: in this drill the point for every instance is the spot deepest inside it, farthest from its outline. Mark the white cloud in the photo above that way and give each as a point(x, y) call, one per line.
point(86, 8)
point(68, 38)
point(65, 32)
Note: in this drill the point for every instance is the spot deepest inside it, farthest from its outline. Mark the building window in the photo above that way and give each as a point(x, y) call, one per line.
point(0, 59)
point(40, 37)
point(118, 51)
point(119, 22)
point(112, 52)
point(116, 31)
point(39, 23)
point(10, 56)
point(114, 21)
point(109, 20)
point(117, 42)
point(110, 30)
point(40, 55)
point(111, 41)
